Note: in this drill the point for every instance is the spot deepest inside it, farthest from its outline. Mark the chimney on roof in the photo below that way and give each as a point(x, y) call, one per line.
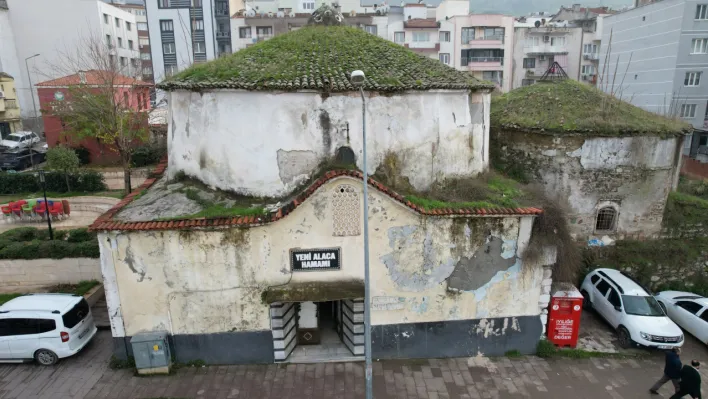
point(576, 7)
point(82, 77)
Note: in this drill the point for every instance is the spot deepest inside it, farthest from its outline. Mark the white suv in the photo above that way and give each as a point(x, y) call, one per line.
point(44, 327)
point(19, 140)
point(629, 309)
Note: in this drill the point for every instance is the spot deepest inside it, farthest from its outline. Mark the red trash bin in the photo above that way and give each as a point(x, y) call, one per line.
point(564, 317)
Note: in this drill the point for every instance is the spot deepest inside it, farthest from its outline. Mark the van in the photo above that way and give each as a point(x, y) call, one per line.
point(44, 328)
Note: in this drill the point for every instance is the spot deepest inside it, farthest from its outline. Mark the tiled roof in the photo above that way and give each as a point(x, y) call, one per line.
point(321, 58)
point(106, 221)
point(421, 23)
point(94, 77)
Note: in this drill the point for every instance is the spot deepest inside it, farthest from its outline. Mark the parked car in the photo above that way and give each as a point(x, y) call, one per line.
point(20, 158)
point(690, 311)
point(44, 327)
point(630, 309)
point(20, 140)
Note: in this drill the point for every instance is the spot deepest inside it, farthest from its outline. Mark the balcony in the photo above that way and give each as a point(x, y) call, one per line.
point(223, 35)
point(545, 48)
point(483, 63)
point(488, 42)
point(221, 13)
point(423, 46)
point(591, 56)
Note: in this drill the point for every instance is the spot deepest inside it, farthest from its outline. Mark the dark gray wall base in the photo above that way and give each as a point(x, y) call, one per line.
point(225, 348)
point(455, 338)
point(121, 348)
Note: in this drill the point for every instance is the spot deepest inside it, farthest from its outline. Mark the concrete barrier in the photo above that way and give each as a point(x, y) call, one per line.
point(26, 275)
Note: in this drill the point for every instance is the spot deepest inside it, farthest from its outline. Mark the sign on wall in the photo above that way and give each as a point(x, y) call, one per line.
point(315, 259)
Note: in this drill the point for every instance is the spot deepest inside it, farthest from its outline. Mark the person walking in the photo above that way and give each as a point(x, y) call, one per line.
point(690, 381)
point(672, 371)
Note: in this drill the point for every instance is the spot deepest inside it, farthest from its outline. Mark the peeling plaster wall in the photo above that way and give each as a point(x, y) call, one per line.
point(205, 282)
point(635, 172)
point(280, 138)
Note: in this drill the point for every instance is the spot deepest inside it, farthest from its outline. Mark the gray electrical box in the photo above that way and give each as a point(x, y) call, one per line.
point(152, 352)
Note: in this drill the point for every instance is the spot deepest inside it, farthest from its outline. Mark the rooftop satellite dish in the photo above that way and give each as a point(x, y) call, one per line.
point(270, 14)
point(537, 24)
point(292, 14)
point(250, 13)
point(280, 14)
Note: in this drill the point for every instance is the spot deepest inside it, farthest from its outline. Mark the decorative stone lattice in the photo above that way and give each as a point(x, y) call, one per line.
point(345, 211)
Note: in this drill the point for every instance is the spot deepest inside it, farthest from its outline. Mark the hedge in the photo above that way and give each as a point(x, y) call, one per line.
point(32, 243)
point(86, 181)
point(147, 155)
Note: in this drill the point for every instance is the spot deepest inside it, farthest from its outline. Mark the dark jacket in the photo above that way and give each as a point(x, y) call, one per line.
point(691, 381)
point(672, 369)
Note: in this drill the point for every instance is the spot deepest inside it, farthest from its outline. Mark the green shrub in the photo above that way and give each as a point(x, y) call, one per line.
point(86, 249)
point(83, 154)
point(80, 235)
point(20, 234)
point(32, 243)
point(85, 181)
point(545, 348)
point(147, 155)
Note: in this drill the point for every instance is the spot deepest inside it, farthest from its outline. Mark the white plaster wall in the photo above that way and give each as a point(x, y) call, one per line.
point(8, 52)
point(279, 138)
point(204, 282)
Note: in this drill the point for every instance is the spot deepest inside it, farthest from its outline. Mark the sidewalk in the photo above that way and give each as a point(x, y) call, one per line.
point(88, 376)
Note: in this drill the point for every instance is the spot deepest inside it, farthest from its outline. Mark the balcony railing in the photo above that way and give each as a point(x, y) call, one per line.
point(591, 56)
point(225, 34)
point(473, 60)
point(260, 38)
point(489, 38)
point(546, 49)
point(423, 45)
point(222, 13)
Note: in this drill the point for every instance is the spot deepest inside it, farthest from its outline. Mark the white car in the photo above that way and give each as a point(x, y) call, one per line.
point(690, 311)
point(19, 140)
point(636, 315)
point(44, 327)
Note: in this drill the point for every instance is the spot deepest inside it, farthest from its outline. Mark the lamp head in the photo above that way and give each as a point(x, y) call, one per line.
point(358, 78)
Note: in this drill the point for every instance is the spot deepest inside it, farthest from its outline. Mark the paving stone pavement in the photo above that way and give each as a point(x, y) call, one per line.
point(87, 376)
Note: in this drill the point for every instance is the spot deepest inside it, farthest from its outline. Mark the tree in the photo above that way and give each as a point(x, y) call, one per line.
point(108, 103)
point(64, 160)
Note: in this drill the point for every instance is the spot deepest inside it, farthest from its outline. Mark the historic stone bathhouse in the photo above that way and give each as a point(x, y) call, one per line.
point(249, 247)
point(610, 163)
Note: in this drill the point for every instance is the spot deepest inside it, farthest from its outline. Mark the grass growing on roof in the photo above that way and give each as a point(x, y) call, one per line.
point(573, 107)
point(485, 191)
point(321, 58)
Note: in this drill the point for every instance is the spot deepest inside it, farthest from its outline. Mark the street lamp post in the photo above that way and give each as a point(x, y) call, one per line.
point(34, 105)
point(46, 203)
point(357, 80)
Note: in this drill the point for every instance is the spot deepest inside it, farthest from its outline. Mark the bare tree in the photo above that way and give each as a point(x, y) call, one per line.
point(108, 102)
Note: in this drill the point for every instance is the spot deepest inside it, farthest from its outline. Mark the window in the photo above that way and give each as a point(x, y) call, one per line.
point(345, 211)
point(527, 82)
point(142, 26)
point(688, 111)
point(197, 24)
point(105, 18)
point(606, 219)
point(689, 306)
point(587, 70)
point(170, 70)
point(702, 11)
point(533, 41)
point(264, 31)
point(164, 3)
point(370, 29)
point(126, 101)
point(692, 79)
point(558, 41)
point(130, 44)
point(642, 306)
point(145, 56)
point(120, 42)
point(123, 61)
point(112, 59)
point(594, 278)
point(699, 46)
point(199, 47)
point(589, 48)
point(19, 327)
point(704, 315)
point(444, 58)
point(308, 5)
point(147, 71)
point(46, 325)
point(494, 33)
point(168, 48)
point(614, 298)
point(117, 22)
point(166, 26)
point(444, 36)
point(196, 3)
point(603, 287)
point(144, 41)
point(529, 63)
point(109, 43)
point(134, 62)
point(127, 26)
point(399, 37)
point(76, 314)
point(421, 36)
point(244, 33)
point(467, 35)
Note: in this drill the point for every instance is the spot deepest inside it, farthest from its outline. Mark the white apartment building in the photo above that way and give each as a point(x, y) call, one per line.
point(52, 29)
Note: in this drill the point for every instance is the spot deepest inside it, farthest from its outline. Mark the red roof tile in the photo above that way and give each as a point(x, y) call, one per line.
point(105, 222)
point(421, 23)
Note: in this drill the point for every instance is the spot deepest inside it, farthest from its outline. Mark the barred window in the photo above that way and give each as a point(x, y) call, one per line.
point(606, 219)
point(345, 211)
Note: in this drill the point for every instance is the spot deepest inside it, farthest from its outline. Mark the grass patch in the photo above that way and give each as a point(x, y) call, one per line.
point(574, 107)
point(545, 349)
point(6, 297)
point(513, 353)
point(683, 210)
point(214, 209)
point(81, 288)
point(695, 187)
point(118, 364)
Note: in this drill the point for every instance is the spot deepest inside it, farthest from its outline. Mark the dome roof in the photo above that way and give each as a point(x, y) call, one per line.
point(322, 58)
point(570, 107)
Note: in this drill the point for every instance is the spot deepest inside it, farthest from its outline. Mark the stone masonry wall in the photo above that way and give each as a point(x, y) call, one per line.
point(17, 274)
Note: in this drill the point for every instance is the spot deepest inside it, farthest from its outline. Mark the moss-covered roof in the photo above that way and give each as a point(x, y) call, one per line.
point(570, 107)
point(322, 58)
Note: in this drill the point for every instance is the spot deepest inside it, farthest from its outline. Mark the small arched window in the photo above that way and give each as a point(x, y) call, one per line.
point(606, 219)
point(346, 211)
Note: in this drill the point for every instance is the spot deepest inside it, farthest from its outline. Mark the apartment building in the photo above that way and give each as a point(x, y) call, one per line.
point(138, 10)
point(184, 32)
point(659, 53)
point(43, 39)
point(538, 43)
point(9, 110)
